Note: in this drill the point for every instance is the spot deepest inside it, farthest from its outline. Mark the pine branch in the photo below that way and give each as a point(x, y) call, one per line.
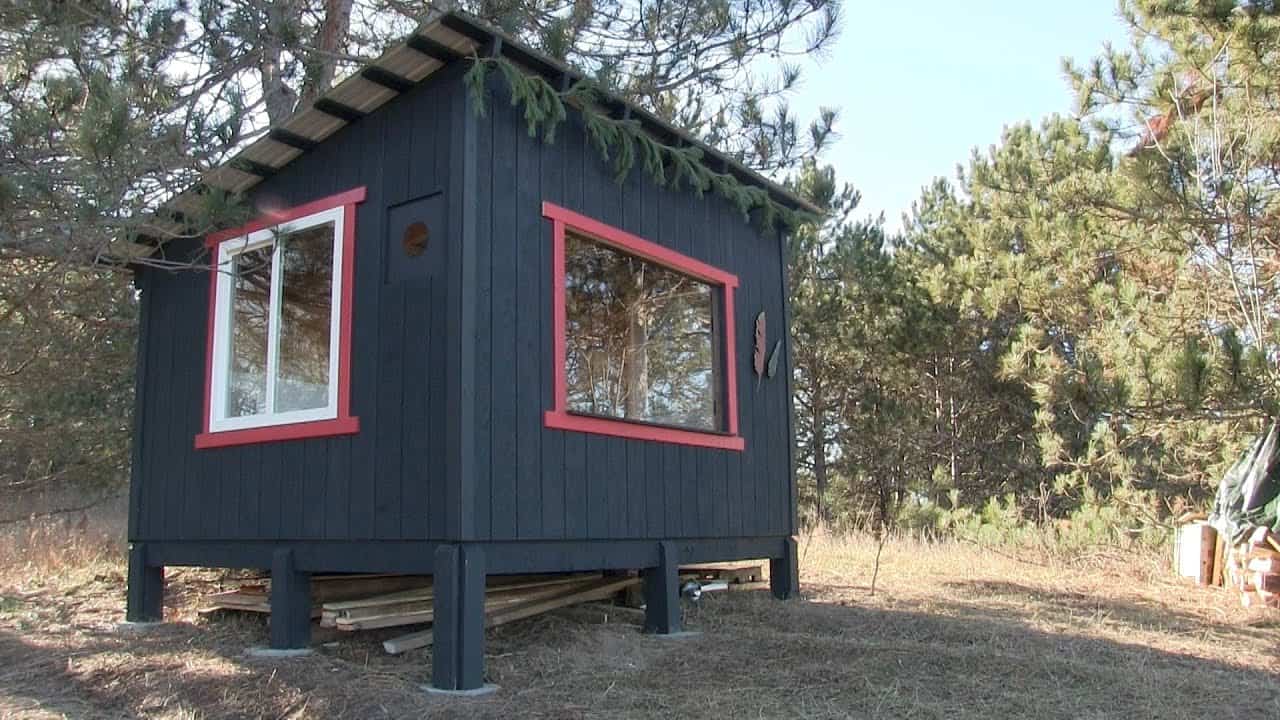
point(621, 141)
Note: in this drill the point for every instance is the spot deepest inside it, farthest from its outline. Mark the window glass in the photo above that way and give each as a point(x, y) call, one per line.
point(639, 339)
point(250, 322)
point(306, 266)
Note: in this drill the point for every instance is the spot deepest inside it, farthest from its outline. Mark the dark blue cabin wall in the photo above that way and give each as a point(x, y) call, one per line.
point(793, 501)
point(391, 480)
point(140, 400)
point(531, 482)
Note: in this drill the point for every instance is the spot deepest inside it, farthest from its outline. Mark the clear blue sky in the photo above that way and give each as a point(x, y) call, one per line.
point(919, 84)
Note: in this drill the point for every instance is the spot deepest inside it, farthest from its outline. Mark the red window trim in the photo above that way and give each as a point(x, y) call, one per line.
point(559, 417)
point(344, 423)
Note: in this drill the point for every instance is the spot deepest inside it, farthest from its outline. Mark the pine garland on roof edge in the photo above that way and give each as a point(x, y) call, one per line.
point(621, 140)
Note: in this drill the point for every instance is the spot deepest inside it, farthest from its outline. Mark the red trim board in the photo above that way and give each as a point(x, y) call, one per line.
point(275, 216)
point(277, 433)
point(559, 416)
point(641, 431)
point(344, 423)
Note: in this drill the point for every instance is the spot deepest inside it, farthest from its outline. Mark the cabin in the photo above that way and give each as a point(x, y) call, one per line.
point(445, 346)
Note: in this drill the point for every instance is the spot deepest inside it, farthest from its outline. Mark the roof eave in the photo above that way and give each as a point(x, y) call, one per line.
point(442, 39)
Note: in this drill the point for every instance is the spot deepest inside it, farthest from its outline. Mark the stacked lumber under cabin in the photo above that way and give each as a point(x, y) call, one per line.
point(351, 603)
point(254, 594)
point(1250, 567)
point(416, 606)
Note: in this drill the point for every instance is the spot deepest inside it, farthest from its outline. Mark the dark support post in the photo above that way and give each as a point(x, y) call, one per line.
point(290, 603)
point(784, 572)
point(144, 600)
point(457, 652)
point(662, 592)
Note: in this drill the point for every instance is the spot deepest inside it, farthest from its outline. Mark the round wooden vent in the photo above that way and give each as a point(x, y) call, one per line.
point(415, 239)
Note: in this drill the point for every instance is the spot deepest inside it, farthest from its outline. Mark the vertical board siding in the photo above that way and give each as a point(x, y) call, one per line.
point(379, 483)
point(616, 466)
point(485, 190)
point(294, 498)
point(504, 269)
point(527, 365)
point(415, 424)
point(535, 483)
point(394, 479)
point(314, 475)
point(370, 230)
point(337, 496)
point(552, 467)
point(386, 502)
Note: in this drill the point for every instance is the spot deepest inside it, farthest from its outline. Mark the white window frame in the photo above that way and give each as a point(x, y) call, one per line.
point(228, 250)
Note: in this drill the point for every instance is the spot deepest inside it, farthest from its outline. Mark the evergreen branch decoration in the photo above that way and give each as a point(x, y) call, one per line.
point(543, 106)
point(621, 141)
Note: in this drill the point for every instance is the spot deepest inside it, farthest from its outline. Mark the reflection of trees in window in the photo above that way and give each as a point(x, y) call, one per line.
point(302, 359)
point(306, 261)
point(251, 316)
point(639, 339)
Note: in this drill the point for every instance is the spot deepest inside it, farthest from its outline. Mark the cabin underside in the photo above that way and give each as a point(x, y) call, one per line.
point(459, 572)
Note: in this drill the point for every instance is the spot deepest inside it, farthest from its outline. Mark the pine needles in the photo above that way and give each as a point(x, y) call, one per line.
point(620, 141)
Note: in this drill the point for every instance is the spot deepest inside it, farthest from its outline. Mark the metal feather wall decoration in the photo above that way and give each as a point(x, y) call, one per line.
point(757, 357)
point(774, 357)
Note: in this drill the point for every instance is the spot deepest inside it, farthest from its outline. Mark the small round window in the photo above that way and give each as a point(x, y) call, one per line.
point(415, 239)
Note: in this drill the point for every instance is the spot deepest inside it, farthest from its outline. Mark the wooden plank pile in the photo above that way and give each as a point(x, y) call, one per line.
point(415, 606)
point(365, 602)
point(1251, 567)
point(254, 594)
point(350, 603)
point(736, 574)
point(502, 607)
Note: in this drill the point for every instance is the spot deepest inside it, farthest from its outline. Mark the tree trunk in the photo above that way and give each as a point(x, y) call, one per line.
point(330, 41)
point(820, 454)
point(636, 368)
point(278, 97)
point(954, 429)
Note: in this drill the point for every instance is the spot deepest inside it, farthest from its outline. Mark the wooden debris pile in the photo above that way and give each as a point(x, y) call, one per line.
point(254, 595)
point(350, 603)
point(1251, 567)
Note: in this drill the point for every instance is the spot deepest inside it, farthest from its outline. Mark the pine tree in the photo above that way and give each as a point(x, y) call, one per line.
point(1123, 262)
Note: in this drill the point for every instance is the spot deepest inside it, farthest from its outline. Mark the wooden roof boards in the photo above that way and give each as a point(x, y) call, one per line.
point(447, 37)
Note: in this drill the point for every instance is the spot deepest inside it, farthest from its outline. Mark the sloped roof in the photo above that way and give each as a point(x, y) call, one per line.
point(445, 38)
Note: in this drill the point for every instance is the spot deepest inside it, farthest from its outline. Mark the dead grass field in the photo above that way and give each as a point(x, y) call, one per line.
point(953, 631)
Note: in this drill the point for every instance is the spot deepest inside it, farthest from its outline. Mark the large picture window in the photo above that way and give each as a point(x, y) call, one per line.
point(279, 333)
point(639, 339)
point(643, 338)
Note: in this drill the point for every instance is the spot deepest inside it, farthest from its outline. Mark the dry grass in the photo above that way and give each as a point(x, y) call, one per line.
point(953, 631)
